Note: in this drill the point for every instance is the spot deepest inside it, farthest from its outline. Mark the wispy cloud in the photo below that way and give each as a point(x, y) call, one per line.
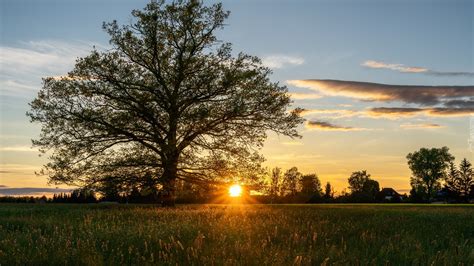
point(31, 191)
point(398, 112)
point(389, 112)
point(423, 95)
point(421, 126)
point(334, 113)
point(393, 112)
point(326, 126)
point(18, 168)
point(304, 96)
point(292, 143)
point(449, 111)
point(25, 65)
point(396, 67)
point(413, 69)
point(18, 149)
point(13, 87)
point(281, 61)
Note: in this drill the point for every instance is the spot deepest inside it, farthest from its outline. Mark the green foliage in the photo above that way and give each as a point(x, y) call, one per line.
point(236, 235)
point(428, 167)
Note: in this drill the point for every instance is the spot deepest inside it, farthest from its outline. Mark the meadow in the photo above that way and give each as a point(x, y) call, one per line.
point(236, 234)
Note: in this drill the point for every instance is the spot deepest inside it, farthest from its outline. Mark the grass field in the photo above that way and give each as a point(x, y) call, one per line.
point(236, 234)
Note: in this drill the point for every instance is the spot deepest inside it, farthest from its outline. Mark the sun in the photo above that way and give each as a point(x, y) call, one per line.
point(235, 191)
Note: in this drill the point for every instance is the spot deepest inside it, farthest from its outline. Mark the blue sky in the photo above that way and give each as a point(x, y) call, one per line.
point(391, 42)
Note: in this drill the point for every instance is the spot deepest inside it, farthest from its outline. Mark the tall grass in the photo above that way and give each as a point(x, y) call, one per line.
point(236, 235)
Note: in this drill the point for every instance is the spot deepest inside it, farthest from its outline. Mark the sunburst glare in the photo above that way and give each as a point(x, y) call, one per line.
point(235, 191)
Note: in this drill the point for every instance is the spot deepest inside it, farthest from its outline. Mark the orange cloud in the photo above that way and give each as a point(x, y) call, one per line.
point(304, 96)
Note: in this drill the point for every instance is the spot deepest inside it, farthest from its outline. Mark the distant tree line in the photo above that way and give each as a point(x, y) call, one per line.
point(24, 199)
point(290, 186)
point(295, 187)
point(76, 196)
point(435, 178)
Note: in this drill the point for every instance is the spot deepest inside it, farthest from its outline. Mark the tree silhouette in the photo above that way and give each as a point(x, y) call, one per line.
point(328, 191)
point(275, 180)
point(452, 182)
point(428, 167)
point(466, 179)
point(362, 187)
point(310, 185)
point(460, 182)
point(168, 99)
point(290, 181)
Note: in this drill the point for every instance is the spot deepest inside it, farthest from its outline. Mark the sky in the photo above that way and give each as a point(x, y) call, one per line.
point(378, 79)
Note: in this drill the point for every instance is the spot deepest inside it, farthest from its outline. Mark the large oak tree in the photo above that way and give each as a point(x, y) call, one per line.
point(168, 99)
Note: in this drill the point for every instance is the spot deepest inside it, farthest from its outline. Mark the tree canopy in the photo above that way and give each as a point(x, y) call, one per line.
point(290, 181)
point(168, 100)
point(428, 167)
point(310, 184)
point(362, 186)
point(460, 182)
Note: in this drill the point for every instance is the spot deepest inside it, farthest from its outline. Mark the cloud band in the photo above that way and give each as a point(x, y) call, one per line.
point(423, 95)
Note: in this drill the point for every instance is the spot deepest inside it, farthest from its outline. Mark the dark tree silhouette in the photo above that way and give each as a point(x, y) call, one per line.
point(460, 182)
point(310, 185)
point(359, 181)
point(168, 98)
point(362, 187)
point(428, 166)
point(328, 191)
point(290, 181)
point(466, 179)
point(275, 180)
point(452, 182)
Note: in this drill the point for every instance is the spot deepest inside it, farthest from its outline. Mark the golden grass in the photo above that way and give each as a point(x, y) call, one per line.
point(236, 234)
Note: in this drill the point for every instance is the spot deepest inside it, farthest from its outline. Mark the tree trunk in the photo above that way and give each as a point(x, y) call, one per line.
point(170, 173)
point(168, 196)
point(430, 191)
